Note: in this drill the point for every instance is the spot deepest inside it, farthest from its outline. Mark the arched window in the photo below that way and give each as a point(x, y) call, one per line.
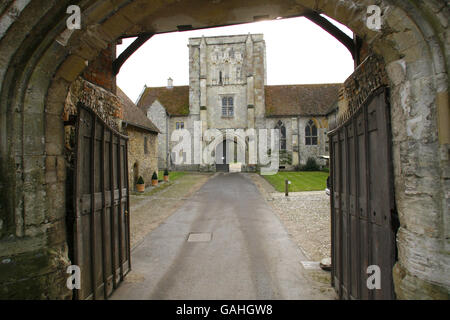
point(311, 134)
point(282, 129)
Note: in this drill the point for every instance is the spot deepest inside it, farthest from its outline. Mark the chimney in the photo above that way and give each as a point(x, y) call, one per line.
point(169, 83)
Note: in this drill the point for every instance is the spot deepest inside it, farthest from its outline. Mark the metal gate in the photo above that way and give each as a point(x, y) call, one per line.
point(363, 216)
point(101, 205)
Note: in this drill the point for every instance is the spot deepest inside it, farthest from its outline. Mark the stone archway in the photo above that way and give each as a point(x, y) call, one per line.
point(40, 59)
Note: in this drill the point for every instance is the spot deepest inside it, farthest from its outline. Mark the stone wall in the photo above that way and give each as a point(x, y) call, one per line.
point(146, 163)
point(158, 115)
point(313, 151)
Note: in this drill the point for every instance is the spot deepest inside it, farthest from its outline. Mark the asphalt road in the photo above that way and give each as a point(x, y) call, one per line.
point(249, 255)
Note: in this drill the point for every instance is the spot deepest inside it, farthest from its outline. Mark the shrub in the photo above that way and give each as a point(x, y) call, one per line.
point(140, 180)
point(311, 165)
point(166, 172)
point(154, 176)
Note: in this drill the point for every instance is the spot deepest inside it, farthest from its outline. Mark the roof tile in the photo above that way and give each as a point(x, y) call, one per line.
point(301, 100)
point(133, 115)
point(175, 99)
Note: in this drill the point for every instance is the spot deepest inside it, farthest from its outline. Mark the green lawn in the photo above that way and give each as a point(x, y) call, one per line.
point(300, 181)
point(173, 175)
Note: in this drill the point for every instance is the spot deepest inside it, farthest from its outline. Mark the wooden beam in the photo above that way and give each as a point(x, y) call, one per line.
point(333, 30)
point(132, 48)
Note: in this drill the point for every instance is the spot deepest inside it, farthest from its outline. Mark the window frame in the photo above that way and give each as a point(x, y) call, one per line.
point(229, 109)
point(179, 125)
point(283, 140)
point(310, 137)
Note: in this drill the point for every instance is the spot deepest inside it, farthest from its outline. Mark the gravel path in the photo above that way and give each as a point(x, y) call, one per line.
point(306, 216)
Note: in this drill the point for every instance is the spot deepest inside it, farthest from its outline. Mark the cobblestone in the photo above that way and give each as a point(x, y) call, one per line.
point(305, 215)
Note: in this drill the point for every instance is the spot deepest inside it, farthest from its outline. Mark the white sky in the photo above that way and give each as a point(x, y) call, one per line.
point(298, 52)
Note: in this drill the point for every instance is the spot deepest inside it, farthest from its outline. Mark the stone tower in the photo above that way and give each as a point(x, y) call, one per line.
point(227, 76)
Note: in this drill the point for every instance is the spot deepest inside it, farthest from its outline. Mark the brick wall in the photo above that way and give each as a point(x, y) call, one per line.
point(100, 72)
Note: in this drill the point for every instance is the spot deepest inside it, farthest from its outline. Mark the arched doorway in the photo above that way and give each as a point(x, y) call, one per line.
point(227, 151)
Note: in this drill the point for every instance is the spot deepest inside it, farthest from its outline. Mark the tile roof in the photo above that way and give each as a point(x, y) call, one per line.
point(281, 100)
point(175, 99)
point(301, 100)
point(134, 116)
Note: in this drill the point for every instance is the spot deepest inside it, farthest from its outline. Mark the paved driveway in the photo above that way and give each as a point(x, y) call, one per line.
point(240, 250)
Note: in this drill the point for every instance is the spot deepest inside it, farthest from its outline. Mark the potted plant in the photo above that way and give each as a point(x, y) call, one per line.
point(140, 185)
point(154, 179)
point(166, 175)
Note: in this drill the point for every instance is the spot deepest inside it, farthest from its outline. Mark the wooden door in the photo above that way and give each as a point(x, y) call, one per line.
point(101, 205)
point(363, 215)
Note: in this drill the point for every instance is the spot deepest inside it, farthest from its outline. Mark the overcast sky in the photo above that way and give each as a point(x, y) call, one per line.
point(298, 52)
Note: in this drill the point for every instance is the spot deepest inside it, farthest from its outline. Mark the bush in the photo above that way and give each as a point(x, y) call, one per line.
point(311, 165)
point(154, 176)
point(140, 180)
point(166, 172)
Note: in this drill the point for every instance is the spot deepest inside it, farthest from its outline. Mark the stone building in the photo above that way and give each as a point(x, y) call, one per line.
point(142, 143)
point(41, 59)
point(228, 90)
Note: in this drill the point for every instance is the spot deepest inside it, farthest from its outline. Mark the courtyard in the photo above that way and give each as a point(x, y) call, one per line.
point(219, 238)
point(374, 101)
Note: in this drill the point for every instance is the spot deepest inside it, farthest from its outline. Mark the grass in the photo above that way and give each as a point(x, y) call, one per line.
point(300, 180)
point(173, 175)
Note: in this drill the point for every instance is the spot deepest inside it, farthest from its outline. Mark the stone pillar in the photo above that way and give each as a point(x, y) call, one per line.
point(203, 73)
point(250, 117)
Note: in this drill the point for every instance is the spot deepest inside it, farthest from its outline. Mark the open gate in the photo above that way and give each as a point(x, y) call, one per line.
point(101, 244)
point(363, 215)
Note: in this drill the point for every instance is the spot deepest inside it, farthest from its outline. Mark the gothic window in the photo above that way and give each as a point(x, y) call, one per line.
point(311, 134)
point(220, 78)
point(180, 125)
point(282, 129)
point(227, 106)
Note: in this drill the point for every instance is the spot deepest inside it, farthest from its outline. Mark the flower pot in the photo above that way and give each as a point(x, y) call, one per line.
point(140, 187)
point(154, 182)
point(166, 178)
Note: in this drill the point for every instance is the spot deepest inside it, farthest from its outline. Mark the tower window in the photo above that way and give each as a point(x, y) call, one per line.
point(311, 134)
point(227, 106)
point(180, 125)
